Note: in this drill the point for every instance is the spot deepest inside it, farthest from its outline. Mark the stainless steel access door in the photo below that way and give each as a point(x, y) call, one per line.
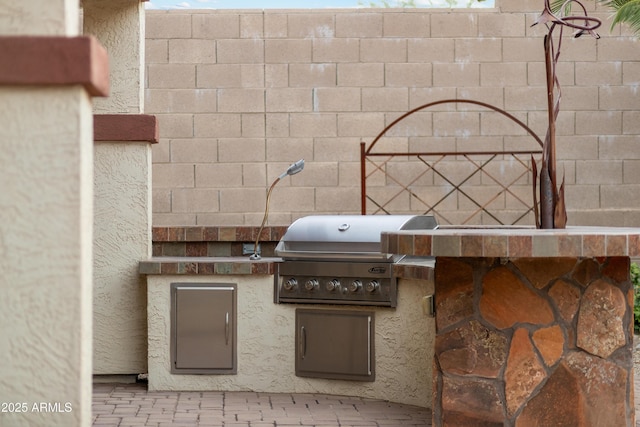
point(203, 328)
point(335, 344)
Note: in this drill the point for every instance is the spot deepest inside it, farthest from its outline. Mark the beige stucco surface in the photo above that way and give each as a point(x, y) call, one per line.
point(122, 229)
point(46, 175)
point(404, 339)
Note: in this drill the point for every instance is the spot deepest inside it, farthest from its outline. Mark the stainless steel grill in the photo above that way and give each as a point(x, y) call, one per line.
point(336, 259)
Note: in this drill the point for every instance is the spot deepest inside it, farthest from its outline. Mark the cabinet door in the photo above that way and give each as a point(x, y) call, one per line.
point(335, 344)
point(203, 324)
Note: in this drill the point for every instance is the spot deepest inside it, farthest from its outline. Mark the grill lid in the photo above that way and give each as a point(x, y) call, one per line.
point(345, 237)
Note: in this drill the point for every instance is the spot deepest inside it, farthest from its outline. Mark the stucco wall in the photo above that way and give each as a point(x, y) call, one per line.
point(404, 340)
point(240, 94)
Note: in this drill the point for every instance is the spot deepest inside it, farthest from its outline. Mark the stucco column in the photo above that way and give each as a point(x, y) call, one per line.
point(122, 223)
point(46, 206)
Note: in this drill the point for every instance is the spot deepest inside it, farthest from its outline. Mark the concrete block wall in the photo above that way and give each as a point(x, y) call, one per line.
point(240, 94)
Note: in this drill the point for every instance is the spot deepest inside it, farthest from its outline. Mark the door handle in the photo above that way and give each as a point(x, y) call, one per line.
point(303, 342)
point(226, 329)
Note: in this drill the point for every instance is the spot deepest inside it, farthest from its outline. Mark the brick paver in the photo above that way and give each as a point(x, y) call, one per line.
point(132, 405)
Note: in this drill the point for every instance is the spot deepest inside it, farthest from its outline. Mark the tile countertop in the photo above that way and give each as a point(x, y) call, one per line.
point(514, 242)
point(409, 268)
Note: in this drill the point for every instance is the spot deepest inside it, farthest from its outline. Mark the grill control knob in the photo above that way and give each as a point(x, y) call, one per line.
point(355, 286)
point(290, 284)
point(311, 285)
point(332, 285)
point(372, 286)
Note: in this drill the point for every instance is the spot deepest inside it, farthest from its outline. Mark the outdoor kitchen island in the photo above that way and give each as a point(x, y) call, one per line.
point(265, 331)
point(533, 327)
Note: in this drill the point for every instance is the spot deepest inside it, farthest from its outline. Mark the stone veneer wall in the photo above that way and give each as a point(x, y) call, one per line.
point(239, 94)
point(533, 341)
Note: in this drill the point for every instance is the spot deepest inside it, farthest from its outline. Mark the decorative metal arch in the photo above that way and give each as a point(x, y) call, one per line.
point(367, 152)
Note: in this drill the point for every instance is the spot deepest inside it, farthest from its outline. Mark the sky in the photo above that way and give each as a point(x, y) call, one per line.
point(282, 4)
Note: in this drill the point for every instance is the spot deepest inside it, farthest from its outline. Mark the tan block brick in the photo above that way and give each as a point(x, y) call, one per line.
point(180, 101)
point(456, 75)
point(242, 200)
point(217, 125)
point(253, 125)
point(161, 200)
point(501, 25)
point(631, 122)
point(361, 75)
point(277, 125)
point(313, 125)
point(251, 25)
point(579, 98)
point(619, 98)
point(192, 51)
point(312, 75)
point(276, 75)
point(319, 174)
point(599, 73)
point(160, 153)
point(599, 171)
point(577, 147)
point(254, 175)
point(630, 72)
point(492, 124)
point(618, 49)
point(482, 143)
point(503, 74)
point(194, 200)
point(361, 125)
point(311, 25)
point(422, 96)
point(360, 25)
point(430, 50)
point(525, 98)
point(335, 50)
point(536, 75)
point(218, 175)
point(348, 173)
point(287, 150)
point(338, 200)
point(416, 125)
point(287, 51)
point(293, 199)
point(519, 6)
point(383, 50)
point(618, 147)
point(333, 149)
point(410, 25)
point(385, 99)
point(408, 75)
point(336, 99)
point(162, 25)
point(168, 175)
point(619, 196)
point(156, 51)
point(392, 201)
point(213, 26)
point(175, 125)
point(539, 122)
point(171, 76)
point(240, 100)
point(478, 50)
point(598, 123)
point(240, 51)
point(241, 150)
point(194, 150)
point(275, 24)
point(168, 219)
point(230, 76)
point(582, 197)
point(631, 171)
point(456, 124)
point(522, 50)
point(454, 24)
point(289, 100)
point(490, 95)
